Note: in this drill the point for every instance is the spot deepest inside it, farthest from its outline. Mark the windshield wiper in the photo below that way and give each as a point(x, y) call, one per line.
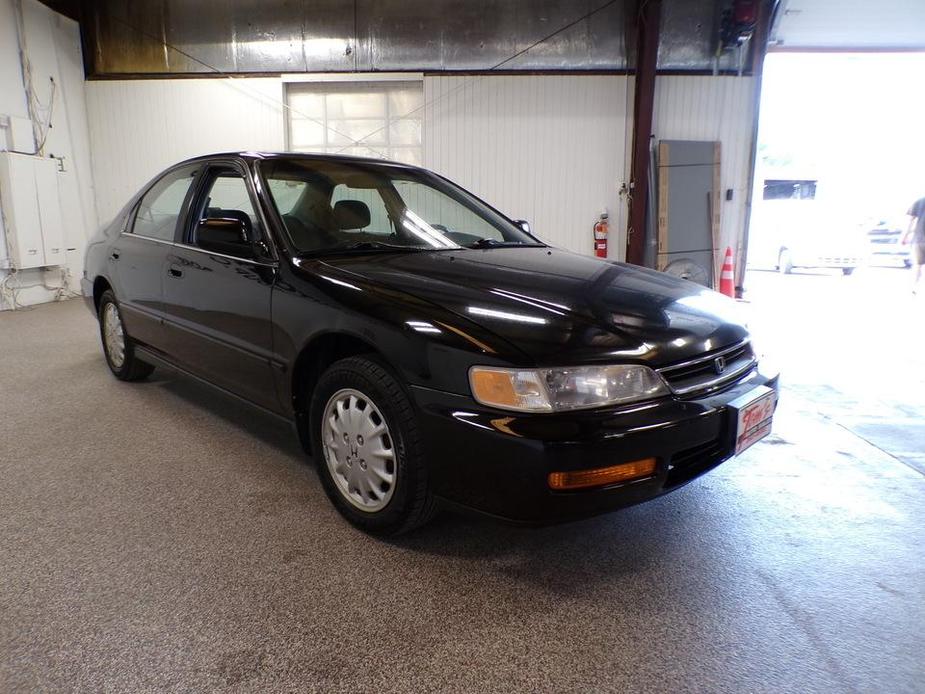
point(380, 245)
point(494, 243)
point(377, 246)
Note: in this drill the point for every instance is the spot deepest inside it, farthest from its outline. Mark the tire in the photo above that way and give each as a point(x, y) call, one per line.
point(387, 494)
point(785, 262)
point(847, 271)
point(125, 367)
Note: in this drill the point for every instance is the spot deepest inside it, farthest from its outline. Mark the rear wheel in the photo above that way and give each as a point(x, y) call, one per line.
point(117, 345)
point(369, 452)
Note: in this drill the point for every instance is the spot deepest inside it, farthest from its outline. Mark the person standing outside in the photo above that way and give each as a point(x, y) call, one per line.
point(916, 233)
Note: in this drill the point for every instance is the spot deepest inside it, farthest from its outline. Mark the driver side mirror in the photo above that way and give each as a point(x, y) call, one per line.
point(230, 235)
point(524, 225)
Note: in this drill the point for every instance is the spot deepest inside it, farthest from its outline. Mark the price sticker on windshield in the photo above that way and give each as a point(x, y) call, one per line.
point(752, 414)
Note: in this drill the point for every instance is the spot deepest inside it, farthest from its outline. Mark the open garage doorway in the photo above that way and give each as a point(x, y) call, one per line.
point(840, 161)
point(841, 144)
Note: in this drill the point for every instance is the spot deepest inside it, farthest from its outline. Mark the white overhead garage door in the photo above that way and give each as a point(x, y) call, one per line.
point(846, 25)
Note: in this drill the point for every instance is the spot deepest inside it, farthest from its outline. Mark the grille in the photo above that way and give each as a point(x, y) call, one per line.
point(701, 375)
point(690, 463)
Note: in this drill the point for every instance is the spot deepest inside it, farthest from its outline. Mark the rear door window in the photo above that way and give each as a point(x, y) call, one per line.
point(159, 210)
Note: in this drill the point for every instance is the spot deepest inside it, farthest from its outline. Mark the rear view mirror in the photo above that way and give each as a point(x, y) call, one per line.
point(228, 234)
point(524, 225)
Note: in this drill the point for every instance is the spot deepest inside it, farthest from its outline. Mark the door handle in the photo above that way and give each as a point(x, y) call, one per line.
point(175, 271)
point(114, 255)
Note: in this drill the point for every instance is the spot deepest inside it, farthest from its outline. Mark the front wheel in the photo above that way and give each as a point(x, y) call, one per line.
point(118, 347)
point(368, 448)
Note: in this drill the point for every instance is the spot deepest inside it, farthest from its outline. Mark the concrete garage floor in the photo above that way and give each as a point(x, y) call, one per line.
point(158, 536)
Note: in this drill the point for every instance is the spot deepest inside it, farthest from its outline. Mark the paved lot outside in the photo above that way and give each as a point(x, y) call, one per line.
point(159, 537)
point(852, 347)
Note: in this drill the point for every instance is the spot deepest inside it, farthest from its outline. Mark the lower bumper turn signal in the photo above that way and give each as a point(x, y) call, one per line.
point(601, 476)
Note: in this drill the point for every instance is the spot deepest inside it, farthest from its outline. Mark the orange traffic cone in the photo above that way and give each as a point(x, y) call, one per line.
point(726, 277)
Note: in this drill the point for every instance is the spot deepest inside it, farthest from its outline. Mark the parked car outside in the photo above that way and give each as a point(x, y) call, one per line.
point(790, 234)
point(429, 351)
point(885, 246)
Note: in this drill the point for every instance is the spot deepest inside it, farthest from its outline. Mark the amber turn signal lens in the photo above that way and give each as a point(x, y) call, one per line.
point(598, 477)
point(494, 387)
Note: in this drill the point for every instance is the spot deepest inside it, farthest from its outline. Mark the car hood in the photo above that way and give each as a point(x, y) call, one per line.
point(563, 308)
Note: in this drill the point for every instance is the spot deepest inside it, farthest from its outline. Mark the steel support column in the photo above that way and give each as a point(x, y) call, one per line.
point(766, 12)
point(648, 13)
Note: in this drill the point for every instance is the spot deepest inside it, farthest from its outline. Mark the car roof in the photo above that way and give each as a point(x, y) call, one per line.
point(271, 156)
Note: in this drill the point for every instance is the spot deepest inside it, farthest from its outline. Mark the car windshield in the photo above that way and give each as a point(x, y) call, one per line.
point(335, 206)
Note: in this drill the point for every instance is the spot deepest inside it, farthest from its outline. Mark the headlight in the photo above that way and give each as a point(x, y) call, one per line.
point(570, 388)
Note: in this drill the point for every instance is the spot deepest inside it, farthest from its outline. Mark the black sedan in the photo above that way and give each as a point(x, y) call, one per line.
point(429, 351)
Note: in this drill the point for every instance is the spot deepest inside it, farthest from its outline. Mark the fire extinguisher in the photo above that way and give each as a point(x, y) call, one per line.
point(601, 227)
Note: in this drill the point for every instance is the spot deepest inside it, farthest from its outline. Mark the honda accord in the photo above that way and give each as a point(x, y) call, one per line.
point(429, 351)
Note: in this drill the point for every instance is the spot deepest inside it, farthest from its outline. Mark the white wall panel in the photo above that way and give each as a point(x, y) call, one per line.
point(545, 148)
point(52, 45)
point(12, 94)
point(139, 127)
point(713, 108)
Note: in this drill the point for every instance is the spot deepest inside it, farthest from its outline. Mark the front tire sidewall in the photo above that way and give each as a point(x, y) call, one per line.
point(131, 369)
point(372, 380)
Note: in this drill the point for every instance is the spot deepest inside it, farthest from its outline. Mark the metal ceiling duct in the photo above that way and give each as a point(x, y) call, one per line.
point(154, 37)
point(179, 37)
point(459, 35)
point(688, 36)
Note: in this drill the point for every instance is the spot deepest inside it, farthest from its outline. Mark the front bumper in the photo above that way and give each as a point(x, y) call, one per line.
point(498, 463)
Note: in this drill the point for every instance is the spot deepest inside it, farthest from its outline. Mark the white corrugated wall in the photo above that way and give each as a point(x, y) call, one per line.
point(720, 108)
point(551, 149)
point(140, 127)
point(545, 148)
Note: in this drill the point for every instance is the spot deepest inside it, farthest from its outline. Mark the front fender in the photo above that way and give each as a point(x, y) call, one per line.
point(428, 345)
